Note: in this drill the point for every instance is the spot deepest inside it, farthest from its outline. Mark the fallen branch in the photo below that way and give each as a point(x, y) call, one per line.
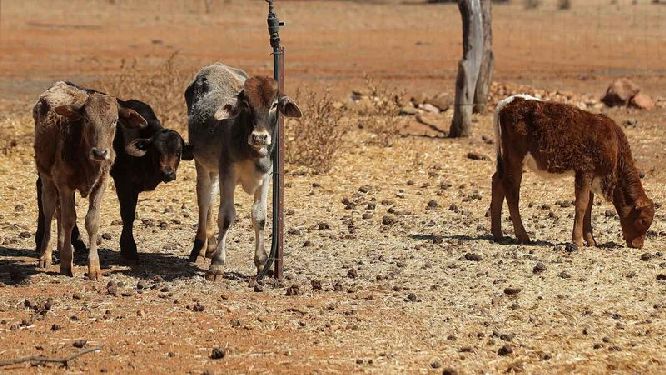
point(38, 359)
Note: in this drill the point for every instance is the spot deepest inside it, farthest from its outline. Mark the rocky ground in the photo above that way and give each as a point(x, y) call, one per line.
point(389, 264)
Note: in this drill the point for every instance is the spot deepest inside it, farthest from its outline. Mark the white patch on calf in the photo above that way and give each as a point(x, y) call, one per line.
point(500, 106)
point(531, 163)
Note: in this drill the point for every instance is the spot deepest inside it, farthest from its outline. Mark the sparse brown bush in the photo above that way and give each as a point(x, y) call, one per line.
point(313, 140)
point(161, 87)
point(378, 110)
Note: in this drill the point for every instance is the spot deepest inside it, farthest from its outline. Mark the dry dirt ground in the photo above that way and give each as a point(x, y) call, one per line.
point(427, 293)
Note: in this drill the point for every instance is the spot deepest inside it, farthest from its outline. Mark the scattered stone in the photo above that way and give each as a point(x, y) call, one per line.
point(324, 226)
point(449, 371)
point(620, 92)
point(564, 275)
point(316, 284)
point(435, 364)
point(352, 273)
point(217, 353)
point(56, 327)
point(293, 290)
point(661, 277)
point(432, 204)
point(80, 343)
point(642, 101)
point(570, 248)
point(473, 257)
point(389, 220)
point(412, 297)
point(511, 291)
point(106, 236)
point(365, 189)
point(539, 268)
point(647, 256)
point(476, 156)
point(367, 215)
point(505, 350)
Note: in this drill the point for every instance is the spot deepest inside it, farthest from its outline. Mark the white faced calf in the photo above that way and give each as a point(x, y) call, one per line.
point(232, 121)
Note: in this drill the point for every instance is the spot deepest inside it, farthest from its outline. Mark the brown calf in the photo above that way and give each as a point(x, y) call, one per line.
point(559, 139)
point(74, 133)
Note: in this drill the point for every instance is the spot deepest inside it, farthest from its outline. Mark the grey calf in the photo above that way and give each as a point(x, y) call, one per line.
point(232, 120)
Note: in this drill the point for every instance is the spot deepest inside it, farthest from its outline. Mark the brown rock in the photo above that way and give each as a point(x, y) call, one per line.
point(642, 101)
point(620, 92)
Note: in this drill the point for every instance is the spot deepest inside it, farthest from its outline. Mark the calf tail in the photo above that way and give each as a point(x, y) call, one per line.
point(498, 126)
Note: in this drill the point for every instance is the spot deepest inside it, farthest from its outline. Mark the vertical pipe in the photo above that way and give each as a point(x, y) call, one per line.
point(278, 173)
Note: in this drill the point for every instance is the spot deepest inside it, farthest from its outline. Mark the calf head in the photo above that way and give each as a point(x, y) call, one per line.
point(636, 220)
point(257, 105)
point(165, 148)
point(97, 118)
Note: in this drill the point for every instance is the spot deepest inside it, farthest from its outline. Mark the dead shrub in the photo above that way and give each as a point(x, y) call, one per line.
point(377, 109)
point(313, 140)
point(160, 86)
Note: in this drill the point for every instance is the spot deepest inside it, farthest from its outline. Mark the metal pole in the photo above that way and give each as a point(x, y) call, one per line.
point(277, 244)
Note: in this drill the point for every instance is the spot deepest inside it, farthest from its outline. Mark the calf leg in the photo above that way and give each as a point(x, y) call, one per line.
point(66, 221)
point(587, 223)
point(583, 191)
point(128, 198)
point(49, 200)
point(203, 202)
point(512, 178)
point(496, 207)
point(40, 216)
point(259, 221)
point(92, 227)
point(225, 219)
point(210, 223)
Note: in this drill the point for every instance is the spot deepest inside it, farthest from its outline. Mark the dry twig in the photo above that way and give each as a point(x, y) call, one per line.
point(39, 360)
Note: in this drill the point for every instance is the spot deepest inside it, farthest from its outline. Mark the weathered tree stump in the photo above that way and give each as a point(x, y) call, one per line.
point(488, 63)
point(468, 67)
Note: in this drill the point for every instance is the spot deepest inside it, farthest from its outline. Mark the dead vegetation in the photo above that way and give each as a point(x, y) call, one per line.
point(161, 86)
point(314, 140)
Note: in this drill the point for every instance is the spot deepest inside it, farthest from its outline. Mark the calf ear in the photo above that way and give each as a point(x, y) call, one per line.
point(188, 152)
point(138, 147)
point(287, 107)
point(131, 119)
point(69, 111)
point(229, 110)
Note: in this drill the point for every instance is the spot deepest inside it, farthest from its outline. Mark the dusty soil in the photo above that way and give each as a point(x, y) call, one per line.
point(427, 292)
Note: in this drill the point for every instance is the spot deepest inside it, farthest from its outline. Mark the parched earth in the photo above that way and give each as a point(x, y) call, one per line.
point(389, 264)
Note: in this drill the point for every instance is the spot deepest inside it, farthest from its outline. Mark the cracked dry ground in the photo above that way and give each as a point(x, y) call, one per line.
point(389, 268)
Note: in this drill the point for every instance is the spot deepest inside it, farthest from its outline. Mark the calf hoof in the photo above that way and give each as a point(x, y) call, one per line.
point(43, 263)
point(94, 273)
point(215, 272)
point(67, 271)
point(196, 250)
point(590, 241)
point(260, 263)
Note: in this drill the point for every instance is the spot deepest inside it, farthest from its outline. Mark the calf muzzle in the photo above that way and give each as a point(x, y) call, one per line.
point(168, 175)
point(99, 154)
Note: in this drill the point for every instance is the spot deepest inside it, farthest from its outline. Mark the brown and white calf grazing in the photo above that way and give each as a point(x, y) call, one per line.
point(74, 133)
point(558, 139)
point(232, 121)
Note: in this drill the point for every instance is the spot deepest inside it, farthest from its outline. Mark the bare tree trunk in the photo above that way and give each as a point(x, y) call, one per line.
point(468, 67)
point(488, 63)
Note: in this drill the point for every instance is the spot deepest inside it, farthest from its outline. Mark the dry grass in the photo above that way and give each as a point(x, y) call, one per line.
point(313, 140)
point(377, 111)
point(162, 87)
